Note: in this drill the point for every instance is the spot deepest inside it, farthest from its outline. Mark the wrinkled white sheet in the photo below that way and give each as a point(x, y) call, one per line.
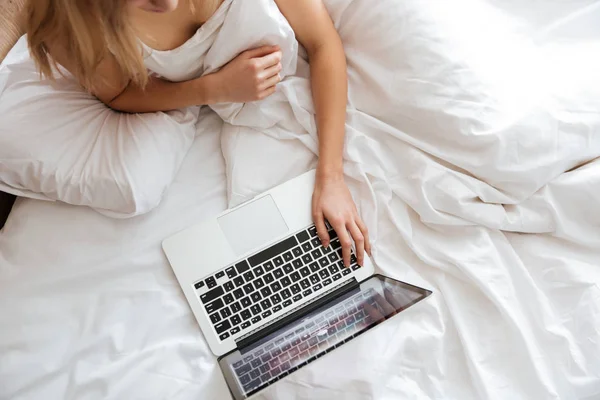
point(468, 122)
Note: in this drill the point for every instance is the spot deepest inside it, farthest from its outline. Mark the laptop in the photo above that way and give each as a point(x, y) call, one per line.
point(268, 297)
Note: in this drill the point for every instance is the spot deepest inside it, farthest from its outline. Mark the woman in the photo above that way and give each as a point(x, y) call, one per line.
point(98, 41)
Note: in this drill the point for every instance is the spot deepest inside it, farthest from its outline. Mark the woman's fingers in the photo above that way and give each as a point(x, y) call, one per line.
point(261, 51)
point(270, 82)
point(359, 241)
point(267, 61)
point(319, 220)
point(266, 93)
point(271, 71)
point(345, 240)
point(365, 232)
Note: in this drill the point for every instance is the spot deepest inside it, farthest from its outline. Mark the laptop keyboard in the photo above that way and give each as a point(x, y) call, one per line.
point(271, 280)
point(304, 343)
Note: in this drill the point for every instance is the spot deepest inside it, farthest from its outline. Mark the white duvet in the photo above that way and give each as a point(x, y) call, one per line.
point(473, 138)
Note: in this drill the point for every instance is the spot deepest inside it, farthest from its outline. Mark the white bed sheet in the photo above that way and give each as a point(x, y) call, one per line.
point(513, 316)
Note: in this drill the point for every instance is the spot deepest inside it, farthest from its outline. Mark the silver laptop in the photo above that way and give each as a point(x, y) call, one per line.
point(268, 297)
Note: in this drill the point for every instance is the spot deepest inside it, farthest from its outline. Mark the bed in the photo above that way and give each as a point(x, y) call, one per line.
point(90, 309)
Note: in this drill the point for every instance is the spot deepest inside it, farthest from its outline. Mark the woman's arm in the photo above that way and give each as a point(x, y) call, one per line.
point(332, 200)
point(250, 76)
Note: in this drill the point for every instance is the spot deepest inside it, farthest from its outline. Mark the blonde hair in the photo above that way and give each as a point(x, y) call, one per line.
point(87, 30)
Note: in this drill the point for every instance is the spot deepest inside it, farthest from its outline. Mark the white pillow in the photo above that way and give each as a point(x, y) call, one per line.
point(57, 142)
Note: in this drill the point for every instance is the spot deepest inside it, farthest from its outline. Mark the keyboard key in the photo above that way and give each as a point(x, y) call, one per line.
point(256, 319)
point(297, 251)
point(305, 272)
point(297, 263)
point(297, 298)
point(286, 294)
point(211, 282)
point(214, 306)
point(215, 318)
point(295, 288)
point(266, 314)
point(238, 280)
point(199, 285)
point(287, 303)
point(245, 314)
point(326, 250)
point(278, 261)
point(272, 251)
point(276, 308)
point(268, 266)
point(266, 291)
point(224, 336)
point(246, 302)
point(242, 267)
point(305, 283)
point(231, 272)
point(317, 287)
point(236, 320)
point(249, 288)
point(287, 256)
point(295, 276)
point(284, 348)
point(306, 259)
point(316, 242)
point(266, 304)
point(332, 234)
point(211, 295)
point(336, 244)
point(258, 283)
point(236, 307)
point(355, 267)
point(333, 269)
point(258, 271)
point(220, 274)
point(255, 309)
point(285, 281)
point(288, 269)
point(248, 276)
point(336, 277)
point(302, 236)
point(276, 287)
point(278, 273)
point(222, 327)
point(346, 271)
point(255, 297)
point(314, 279)
point(238, 293)
point(333, 257)
point(228, 298)
point(228, 286)
point(323, 273)
point(353, 259)
point(276, 298)
point(256, 363)
point(316, 253)
point(307, 292)
point(306, 247)
point(268, 278)
point(314, 267)
point(226, 312)
point(324, 262)
point(312, 231)
point(234, 330)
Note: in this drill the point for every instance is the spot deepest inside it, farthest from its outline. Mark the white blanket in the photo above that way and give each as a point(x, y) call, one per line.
point(463, 119)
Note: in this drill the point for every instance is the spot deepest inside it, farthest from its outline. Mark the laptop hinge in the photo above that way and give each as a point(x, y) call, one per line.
point(296, 313)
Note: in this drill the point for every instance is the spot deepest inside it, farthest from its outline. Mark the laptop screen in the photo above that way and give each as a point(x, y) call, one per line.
point(299, 343)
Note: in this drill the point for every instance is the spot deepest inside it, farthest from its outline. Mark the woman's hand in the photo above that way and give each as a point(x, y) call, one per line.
point(250, 76)
point(333, 202)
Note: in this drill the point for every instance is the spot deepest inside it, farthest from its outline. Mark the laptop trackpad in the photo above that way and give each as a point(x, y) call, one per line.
point(253, 225)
